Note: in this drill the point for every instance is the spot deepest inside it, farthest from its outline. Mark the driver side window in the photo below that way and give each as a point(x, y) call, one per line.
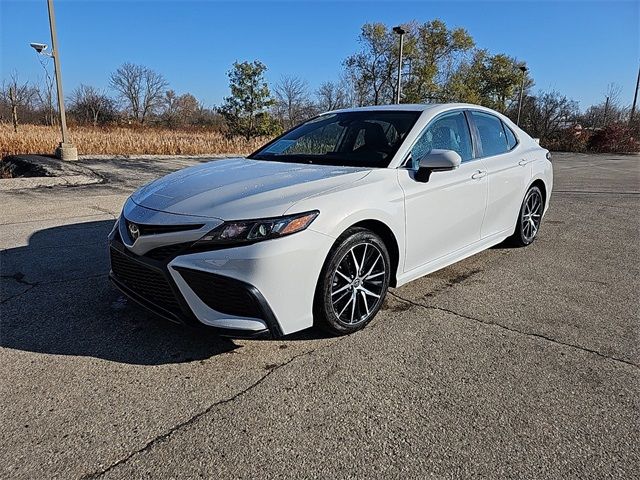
point(448, 132)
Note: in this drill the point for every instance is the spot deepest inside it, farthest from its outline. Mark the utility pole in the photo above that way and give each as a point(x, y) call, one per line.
point(523, 69)
point(635, 99)
point(66, 150)
point(400, 31)
point(606, 111)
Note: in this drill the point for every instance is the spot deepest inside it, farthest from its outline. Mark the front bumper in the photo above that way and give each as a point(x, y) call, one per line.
point(264, 289)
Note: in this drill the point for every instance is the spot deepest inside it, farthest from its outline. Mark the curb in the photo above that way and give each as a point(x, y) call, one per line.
point(47, 172)
point(37, 182)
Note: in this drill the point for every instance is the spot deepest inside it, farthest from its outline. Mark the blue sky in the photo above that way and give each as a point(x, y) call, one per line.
point(576, 47)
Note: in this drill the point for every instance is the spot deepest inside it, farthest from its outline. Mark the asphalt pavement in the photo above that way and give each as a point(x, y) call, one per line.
point(515, 363)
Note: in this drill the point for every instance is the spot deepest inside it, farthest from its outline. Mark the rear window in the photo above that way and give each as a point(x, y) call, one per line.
point(492, 135)
point(512, 141)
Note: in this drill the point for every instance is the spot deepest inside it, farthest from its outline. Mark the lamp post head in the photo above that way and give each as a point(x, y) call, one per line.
point(39, 47)
point(399, 30)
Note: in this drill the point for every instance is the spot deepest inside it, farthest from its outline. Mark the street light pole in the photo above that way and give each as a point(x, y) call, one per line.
point(523, 69)
point(400, 31)
point(606, 110)
point(66, 150)
point(635, 99)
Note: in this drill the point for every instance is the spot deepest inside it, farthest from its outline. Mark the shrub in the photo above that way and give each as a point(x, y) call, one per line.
point(573, 139)
point(616, 137)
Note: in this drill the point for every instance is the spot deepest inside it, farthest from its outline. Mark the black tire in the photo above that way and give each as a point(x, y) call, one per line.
point(529, 219)
point(340, 315)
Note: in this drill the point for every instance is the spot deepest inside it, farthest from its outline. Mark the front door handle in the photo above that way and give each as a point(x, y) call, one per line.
point(479, 174)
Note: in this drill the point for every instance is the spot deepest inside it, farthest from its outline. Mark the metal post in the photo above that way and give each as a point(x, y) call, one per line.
point(400, 31)
point(523, 69)
point(65, 150)
point(400, 68)
point(635, 99)
point(606, 111)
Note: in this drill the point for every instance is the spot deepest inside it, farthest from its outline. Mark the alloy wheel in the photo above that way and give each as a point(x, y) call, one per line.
point(531, 215)
point(357, 284)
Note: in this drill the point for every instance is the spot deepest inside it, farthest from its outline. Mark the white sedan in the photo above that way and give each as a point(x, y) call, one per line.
point(313, 228)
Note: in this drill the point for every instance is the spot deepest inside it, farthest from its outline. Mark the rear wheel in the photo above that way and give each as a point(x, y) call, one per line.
point(353, 283)
point(529, 218)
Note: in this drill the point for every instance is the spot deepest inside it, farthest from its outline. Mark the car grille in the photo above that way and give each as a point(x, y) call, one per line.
point(221, 293)
point(158, 229)
point(166, 252)
point(150, 284)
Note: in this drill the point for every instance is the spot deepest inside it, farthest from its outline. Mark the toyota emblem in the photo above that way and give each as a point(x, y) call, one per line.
point(134, 231)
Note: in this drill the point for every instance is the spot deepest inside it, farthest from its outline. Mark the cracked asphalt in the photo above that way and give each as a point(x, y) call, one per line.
point(515, 363)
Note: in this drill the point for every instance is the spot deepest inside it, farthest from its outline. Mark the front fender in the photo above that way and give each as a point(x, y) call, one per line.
point(376, 197)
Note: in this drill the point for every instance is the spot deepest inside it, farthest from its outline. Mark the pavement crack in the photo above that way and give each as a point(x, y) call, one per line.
point(515, 330)
point(67, 280)
point(593, 192)
point(103, 210)
point(166, 435)
point(19, 277)
point(17, 295)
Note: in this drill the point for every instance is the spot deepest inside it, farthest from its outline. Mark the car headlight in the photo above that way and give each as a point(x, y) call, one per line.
point(250, 231)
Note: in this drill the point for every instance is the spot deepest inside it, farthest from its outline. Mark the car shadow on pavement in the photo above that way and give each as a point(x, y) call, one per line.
point(56, 298)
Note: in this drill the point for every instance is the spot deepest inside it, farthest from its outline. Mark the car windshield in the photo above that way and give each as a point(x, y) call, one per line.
point(356, 139)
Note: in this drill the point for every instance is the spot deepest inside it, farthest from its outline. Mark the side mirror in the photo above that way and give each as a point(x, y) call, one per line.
point(437, 161)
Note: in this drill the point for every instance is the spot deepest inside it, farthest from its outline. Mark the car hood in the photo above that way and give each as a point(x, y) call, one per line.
point(240, 188)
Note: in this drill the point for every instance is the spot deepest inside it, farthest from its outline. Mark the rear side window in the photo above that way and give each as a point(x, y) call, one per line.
point(492, 136)
point(512, 141)
point(448, 132)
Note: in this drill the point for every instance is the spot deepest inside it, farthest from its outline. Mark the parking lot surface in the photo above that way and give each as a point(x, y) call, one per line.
point(520, 363)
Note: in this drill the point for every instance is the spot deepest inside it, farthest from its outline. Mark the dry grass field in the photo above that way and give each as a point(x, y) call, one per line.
point(34, 139)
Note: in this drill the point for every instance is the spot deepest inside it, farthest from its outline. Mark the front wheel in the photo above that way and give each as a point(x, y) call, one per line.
point(353, 283)
point(529, 218)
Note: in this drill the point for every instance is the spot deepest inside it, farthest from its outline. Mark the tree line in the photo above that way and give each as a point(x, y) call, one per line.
point(440, 64)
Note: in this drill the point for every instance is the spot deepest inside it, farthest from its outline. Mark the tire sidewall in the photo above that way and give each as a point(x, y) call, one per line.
point(520, 234)
point(323, 307)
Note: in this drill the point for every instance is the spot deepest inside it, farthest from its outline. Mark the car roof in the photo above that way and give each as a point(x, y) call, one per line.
point(407, 107)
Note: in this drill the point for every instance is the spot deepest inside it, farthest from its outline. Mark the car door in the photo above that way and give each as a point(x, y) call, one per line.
point(445, 213)
point(507, 172)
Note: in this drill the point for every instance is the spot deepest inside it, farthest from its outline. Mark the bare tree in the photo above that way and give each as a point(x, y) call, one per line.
point(546, 114)
point(17, 95)
point(612, 108)
point(140, 87)
point(332, 96)
point(45, 92)
point(91, 105)
point(607, 112)
point(46, 97)
point(178, 110)
point(292, 100)
point(614, 92)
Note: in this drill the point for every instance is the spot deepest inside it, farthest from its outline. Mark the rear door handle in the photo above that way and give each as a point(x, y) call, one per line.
point(479, 174)
point(523, 162)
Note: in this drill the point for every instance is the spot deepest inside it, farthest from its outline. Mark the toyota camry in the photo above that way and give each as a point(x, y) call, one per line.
point(316, 226)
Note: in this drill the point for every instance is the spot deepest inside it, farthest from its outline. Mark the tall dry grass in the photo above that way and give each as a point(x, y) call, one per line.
point(34, 139)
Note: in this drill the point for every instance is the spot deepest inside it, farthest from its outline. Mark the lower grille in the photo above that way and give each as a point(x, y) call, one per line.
point(167, 252)
point(144, 281)
point(223, 294)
